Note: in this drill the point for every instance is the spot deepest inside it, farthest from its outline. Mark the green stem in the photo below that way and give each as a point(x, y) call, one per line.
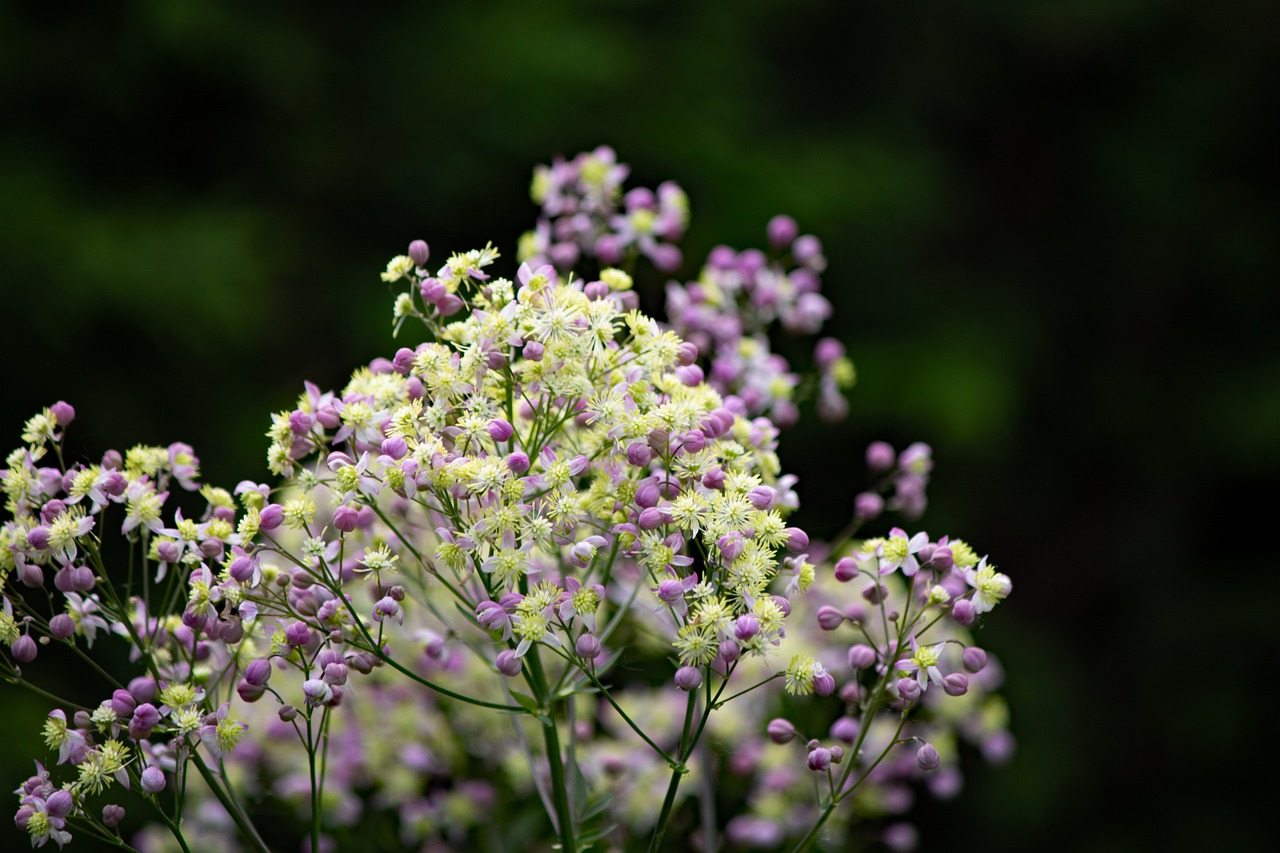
point(233, 808)
point(551, 737)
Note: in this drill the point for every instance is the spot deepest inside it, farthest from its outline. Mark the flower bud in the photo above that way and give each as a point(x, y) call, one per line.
point(845, 729)
point(781, 731)
point(534, 350)
point(861, 656)
point(829, 618)
point(419, 252)
point(782, 231)
point(974, 659)
point(258, 672)
point(639, 454)
point(694, 441)
point(686, 353)
point(518, 463)
point(867, 505)
point(270, 517)
point(874, 592)
point(964, 612)
point(62, 412)
point(346, 518)
point(123, 703)
point(145, 718)
point(880, 456)
point(316, 691)
point(650, 518)
point(797, 539)
point(688, 678)
point(38, 537)
point(287, 713)
point(824, 683)
point(746, 627)
point(153, 780)
point(588, 647)
point(927, 758)
point(297, 634)
point(955, 684)
point(143, 689)
point(250, 692)
point(112, 814)
point(24, 649)
point(908, 688)
point(500, 430)
point(508, 664)
point(851, 693)
point(62, 626)
point(819, 759)
point(846, 569)
point(690, 375)
point(449, 304)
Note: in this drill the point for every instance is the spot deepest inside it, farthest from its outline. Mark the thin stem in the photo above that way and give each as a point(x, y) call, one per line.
point(233, 808)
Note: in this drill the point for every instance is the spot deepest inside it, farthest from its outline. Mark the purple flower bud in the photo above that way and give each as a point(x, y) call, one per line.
point(666, 257)
point(647, 495)
point(974, 659)
point(533, 350)
point(851, 693)
point(588, 647)
point(688, 678)
point(781, 731)
point(38, 537)
point(123, 703)
point(874, 592)
point(689, 375)
point(346, 518)
point(596, 290)
point(153, 780)
point(964, 612)
point(763, 497)
point(846, 569)
point(419, 252)
point(714, 479)
point(782, 231)
point(250, 692)
point(880, 456)
point(908, 688)
point(62, 626)
point(650, 518)
point(24, 649)
point(287, 713)
point(297, 634)
point(845, 729)
point(432, 290)
point(112, 814)
point(143, 688)
point(807, 250)
point(639, 454)
point(867, 505)
point(335, 674)
point(62, 412)
point(495, 359)
point(270, 517)
point(686, 354)
point(51, 510)
point(508, 664)
point(670, 590)
point(449, 304)
point(819, 759)
point(518, 463)
point(608, 248)
point(395, 447)
point(258, 672)
point(797, 539)
point(316, 691)
point(746, 627)
point(145, 718)
point(927, 757)
point(829, 618)
point(731, 546)
point(861, 656)
point(500, 430)
point(955, 684)
point(729, 651)
point(824, 683)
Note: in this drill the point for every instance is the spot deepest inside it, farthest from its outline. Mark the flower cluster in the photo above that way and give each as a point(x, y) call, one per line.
point(531, 560)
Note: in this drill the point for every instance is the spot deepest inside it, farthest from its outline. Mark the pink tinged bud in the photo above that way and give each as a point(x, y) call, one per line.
point(297, 634)
point(687, 354)
point(874, 592)
point(880, 456)
point(287, 713)
point(271, 516)
point(797, 539)
point(596, 290)
point(647, 495)
point(908, 688)
point(395, 447)
point(689, 375)
point(211, 549)
point(335, 674)
point(746, 627)
point(534, 351)
point(250, 692)
point(449, 304)
point(23, 815)
point(927, 758)
point(714, 479)
point(861, 656)
point(824, 684)
point(829, 618)
point(145, 718)
point(508, 664)
point(784, 604)
point(807, 250)
point(588, 647)
point(637, 454)
point(563, 255)
point(658, 440)
point(300, 423)
point(845, 729)
point(432, 290)
point(974, 659)
point(781, 731)
point(153, 780)
point(112, 814)
point(63, 412)
point(50, 511)
point(729, 651)
point(666, 257)
point(258, 672)
point(38, 537)
point(819, 759)
point(694, 441)
point(403, 360)
point(518, 463)
point(500, 430)
point(851, 693)
point(62, 626)
point(762, 497)
point(24, 649)
point(688, 678)
point(346, 518)
point(650, 518)
point(495, 359)
point(782, 231)
point(316, 691)
point(867, 505)
point(964, 612)
point(956, 684)
point(59, 804)
point(123, 703)
point(143, 688)
point(751, 262)
point(419, 252)
point(670, 591)
point(846, 569)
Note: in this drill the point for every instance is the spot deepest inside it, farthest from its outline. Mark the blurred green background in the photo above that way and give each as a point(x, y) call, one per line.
point(1052, 242)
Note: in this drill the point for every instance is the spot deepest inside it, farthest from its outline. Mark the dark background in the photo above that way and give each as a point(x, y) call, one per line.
point(1053, 256)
